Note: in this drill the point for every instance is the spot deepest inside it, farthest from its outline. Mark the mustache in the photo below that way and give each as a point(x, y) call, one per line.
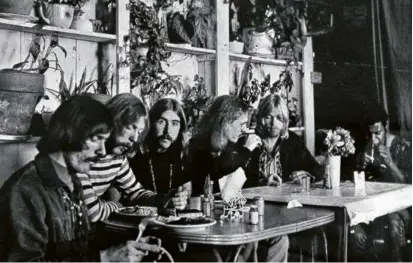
point(93, 159)
point(165, 137)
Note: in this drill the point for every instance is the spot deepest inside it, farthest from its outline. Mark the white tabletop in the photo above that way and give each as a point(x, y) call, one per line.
point(379, 198)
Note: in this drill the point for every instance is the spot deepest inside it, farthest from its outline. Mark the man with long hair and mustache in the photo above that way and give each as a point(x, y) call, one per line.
point(159, 163)
point(130, 116)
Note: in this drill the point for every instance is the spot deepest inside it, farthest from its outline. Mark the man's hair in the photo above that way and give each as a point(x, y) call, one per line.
point(74, 121)
point(266, 106)
point(375, 112)
point(126, 109)
point(224, 110)
point(155, 113)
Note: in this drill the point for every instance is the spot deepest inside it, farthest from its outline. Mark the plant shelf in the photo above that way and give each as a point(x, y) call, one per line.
point(6, 138)
point(258, 60)
point(61, 32)
point(187, 49)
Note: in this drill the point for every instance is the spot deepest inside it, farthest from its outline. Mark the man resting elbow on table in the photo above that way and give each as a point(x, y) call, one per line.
point(214, 151)
point(130, 115)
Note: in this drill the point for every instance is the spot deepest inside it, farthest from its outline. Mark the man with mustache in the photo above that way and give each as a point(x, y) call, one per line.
point(159, 163)
point(130, 115)
point(42, 213)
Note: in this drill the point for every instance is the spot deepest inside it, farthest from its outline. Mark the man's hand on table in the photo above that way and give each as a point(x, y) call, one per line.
point(180, 199)
point(131, 251)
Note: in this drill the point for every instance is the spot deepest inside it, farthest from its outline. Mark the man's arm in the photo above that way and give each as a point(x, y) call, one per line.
point(133, 191)
point(28, 232)
point(98, 208)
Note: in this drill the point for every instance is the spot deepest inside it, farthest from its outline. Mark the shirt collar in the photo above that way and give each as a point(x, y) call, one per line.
point(47, 172)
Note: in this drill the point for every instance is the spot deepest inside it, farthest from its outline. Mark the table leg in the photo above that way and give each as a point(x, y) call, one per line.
point(216, 254)
point(238, 251)
point(343, 236)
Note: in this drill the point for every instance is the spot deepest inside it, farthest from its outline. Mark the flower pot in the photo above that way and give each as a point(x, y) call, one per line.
point(21, 7)
point(334, 163)
point(236, 47)
point(59, 15)
point(19, 94)
point(259, 43)
point(81, 23)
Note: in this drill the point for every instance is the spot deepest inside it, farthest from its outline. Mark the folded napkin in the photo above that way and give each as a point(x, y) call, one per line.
point(231, 184)
point(294, 203)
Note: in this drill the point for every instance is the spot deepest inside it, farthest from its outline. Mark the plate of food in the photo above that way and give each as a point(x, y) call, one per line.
point(138, 211)
point(185, 221)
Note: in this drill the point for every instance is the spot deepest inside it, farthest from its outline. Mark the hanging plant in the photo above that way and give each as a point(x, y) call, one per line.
point(147, 72)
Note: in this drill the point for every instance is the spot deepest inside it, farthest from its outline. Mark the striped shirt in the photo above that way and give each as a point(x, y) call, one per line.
point(111, 171)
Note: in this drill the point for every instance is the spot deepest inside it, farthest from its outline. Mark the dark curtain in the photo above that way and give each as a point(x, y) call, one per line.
point(396, 23)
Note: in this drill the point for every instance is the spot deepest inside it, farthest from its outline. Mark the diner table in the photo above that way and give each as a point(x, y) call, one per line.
point(351, 205)
point(277, 220)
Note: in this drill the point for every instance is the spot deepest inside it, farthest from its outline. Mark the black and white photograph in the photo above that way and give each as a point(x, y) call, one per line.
point(206, 130)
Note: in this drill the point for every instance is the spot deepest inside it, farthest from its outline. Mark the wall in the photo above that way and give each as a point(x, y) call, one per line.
point(14, 47)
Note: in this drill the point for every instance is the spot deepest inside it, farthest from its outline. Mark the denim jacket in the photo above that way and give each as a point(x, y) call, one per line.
point(36, 221)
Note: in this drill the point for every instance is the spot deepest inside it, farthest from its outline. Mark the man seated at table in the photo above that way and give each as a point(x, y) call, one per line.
point(282, 156)
point(214, 151)
point(130, 116)
point(43, 217)
point(159, 162)
point(386, 158)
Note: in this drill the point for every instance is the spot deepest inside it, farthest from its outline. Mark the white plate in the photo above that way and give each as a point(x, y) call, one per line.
point(186, 228)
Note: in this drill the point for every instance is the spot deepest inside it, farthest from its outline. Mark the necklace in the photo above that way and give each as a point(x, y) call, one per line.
point(171, 171)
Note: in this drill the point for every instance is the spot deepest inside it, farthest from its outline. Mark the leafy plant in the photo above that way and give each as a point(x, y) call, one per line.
point(38, 60)
point(288, 19)
point(195, 100)
point(198, 26)
point(146, 69)
point(99, 86)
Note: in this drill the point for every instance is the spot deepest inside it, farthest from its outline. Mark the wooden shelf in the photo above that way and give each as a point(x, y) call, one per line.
point(259, 60)
point(5, 138)
point(188, 49)
point(61, 32)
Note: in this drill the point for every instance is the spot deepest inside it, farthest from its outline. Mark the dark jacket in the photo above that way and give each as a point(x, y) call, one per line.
point(294, 156)
point(36, 222)
point(202, 164)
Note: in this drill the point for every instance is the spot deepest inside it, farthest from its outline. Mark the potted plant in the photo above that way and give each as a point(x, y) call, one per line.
point(147, 71)
point(58, 13)
point(195, 100)
point(80, 21)
point(98, 89)
point(22, 85)
point(274, 27)
point(21, 7)
point(197, 26)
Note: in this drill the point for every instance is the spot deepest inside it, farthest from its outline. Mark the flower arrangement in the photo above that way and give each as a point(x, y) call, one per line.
point(339, 142)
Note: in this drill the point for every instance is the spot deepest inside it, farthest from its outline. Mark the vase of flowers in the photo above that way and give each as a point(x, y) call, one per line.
point(339, 143)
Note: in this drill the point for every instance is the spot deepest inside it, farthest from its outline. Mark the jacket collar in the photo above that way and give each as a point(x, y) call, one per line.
point(47, 172)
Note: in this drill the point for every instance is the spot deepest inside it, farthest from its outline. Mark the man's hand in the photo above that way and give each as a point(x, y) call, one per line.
point(297, 176)
point(180, 199)
point(132, 251)
point(360, 237)
point(252, 142)
point(385, 155)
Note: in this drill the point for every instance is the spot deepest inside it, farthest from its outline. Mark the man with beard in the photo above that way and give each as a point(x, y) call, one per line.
point(159, 163)
point(130, 121)
point(43, 216)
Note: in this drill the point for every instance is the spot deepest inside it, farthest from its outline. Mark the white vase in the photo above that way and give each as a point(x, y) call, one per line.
point(334, 163)
point(81, 23)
